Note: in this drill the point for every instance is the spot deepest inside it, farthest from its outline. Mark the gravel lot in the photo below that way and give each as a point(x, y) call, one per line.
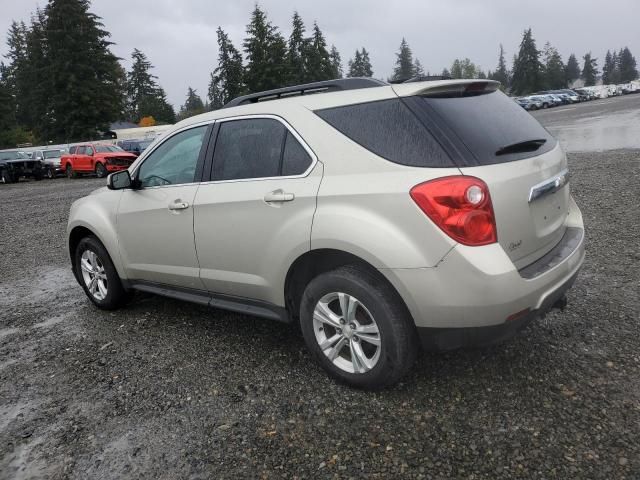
point(165, 389)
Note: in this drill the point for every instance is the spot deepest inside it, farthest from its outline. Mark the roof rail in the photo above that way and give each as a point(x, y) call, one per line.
point(306, 89)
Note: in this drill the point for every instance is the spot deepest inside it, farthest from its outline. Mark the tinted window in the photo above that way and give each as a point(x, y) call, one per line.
point(295, 159)
point(389, 129)
point(72, 150)
point(248, 149)
point(174, 161)
point(487, 123)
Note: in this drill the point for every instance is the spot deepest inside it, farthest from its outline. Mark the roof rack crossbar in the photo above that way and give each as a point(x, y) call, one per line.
point(306, 89)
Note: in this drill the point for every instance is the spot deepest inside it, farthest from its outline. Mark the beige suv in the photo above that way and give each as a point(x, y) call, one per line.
point(377, 216)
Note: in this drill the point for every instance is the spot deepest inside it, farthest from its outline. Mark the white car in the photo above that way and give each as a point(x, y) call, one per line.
point(375, 216)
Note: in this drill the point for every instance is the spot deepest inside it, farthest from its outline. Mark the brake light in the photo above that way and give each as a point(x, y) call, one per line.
point(460, 206)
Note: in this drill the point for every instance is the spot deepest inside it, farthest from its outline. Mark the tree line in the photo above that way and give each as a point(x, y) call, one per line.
point(61, 82)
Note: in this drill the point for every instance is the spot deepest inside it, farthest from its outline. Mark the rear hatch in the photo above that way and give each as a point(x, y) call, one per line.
point(492, 138)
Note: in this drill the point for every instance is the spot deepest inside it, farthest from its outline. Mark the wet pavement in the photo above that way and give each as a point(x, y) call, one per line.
point(599, 125)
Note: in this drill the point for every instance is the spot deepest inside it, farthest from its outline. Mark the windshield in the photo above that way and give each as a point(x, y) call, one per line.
point(52, 153)
point(107, 149)
point(12, 155)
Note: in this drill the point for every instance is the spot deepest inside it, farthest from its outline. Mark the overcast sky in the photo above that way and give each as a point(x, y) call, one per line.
point(179, 36)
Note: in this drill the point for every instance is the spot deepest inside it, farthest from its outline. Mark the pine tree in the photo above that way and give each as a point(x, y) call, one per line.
point(15, 76)
point(297, 49)
point(140, 84)
point(317, 59)
point(608, 68)
point(35, 86)
point(404, 69)
point(360, 65)
point(446, 73)
point(527, 69)
point(463, 69)
point(418, 70)
point(501, 74)
point(192, 106)
point(615, 76)
point(367, 69)
point(573, 69)
point(554, 69)
point(589, 70)
point(227, 79)
point(336, 62)
point(628, 66)
point(266, 53)
point(82, 72)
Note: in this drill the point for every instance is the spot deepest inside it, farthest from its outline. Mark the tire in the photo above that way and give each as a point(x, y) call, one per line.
point(107, 292)
point(377, 306)
point(69, 171)
point(51, 174)
point(101, 171)
point(6, 177)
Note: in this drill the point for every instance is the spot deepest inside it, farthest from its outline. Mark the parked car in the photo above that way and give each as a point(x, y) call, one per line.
point(544, 100)
point(51, 160)
point(15, 164)
point(528, 103)
point(373, 215)
point(95, 158)
point(134, 146)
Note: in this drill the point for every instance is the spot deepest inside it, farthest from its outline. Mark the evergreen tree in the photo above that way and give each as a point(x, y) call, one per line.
point(404, 69)
point(463, 69)
point(608, 69)
point(266, 52)
point(573, 69)
point(527, 69)
point(141, 84)
point(367, 69)
point(501, 73)
point(297, 51)
point(317, 59)
point(360, 65)
point(480, 74)
point(627, 65)
point(446, 73)
point(227, 79)
point(82, 72)
point(15, 75)
point(336, 62)
point(418, 70)
point(192, 106)
point(589, 70)
point(35, 88)
point(554, 69)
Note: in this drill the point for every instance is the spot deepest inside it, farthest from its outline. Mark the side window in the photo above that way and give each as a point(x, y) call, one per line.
point(295, 159)
point(72, 150)
point(249, 148)
point(174, 161)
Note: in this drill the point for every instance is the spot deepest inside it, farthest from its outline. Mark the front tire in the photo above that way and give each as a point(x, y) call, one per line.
point(51, 174)
point(6, 176)
point(70, 172)
point(101, 171)
point(98, 276)
point(357, 328)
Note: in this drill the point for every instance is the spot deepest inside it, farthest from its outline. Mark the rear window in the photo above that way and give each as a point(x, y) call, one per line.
point(488, 123)
point(388, 129)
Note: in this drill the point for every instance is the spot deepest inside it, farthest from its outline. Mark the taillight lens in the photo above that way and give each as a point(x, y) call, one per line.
point(460, 206)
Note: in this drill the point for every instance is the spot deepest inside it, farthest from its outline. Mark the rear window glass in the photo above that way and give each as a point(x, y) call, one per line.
point(488, 123)
point(388, 129)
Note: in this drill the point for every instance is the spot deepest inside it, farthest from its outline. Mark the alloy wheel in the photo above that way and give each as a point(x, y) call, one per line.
point(94, 275)
point(347, 333)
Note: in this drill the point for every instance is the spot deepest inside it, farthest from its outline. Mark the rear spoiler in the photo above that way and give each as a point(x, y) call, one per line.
point(446, 88)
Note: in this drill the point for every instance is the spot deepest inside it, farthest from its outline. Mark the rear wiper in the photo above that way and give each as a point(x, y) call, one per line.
point(526, 146)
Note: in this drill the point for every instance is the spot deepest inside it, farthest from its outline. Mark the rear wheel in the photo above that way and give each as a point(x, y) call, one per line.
point(357, 328)
point(70, 172)
point(101, 171)
point(98, 276)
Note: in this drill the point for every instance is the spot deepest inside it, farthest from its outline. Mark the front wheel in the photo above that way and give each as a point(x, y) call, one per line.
point(6, 176)
point(70, 172)
point(98, 276)
point(101, 171)
point(357, 328)
point(51, 174)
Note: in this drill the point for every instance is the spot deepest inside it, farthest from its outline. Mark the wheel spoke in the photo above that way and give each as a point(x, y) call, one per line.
point(369, 333)
point(348, 306)
point(102, 288)
point(86, 266)
point(334, 351)
point(329, 342)
point(323, 314)
point(359, 360)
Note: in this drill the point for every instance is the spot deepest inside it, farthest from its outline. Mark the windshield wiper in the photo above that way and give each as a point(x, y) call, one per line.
point(526, 146)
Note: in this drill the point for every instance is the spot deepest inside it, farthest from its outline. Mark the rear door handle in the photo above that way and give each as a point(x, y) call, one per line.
point(178, 205)
point(279, 196)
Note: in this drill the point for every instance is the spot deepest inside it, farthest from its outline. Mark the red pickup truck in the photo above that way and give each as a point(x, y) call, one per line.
point(95, 158)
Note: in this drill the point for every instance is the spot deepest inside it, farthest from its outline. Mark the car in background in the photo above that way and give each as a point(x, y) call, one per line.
point(95, 158)
point(134, 146)
point(51, 161)
point(15, 164)
point(557, 99)
point(528, 103)
point(585, 95)
point(544, 100)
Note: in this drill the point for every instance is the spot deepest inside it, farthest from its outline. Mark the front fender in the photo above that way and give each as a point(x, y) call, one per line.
point(98, 213)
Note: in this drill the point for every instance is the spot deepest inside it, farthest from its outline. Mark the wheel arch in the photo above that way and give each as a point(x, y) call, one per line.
point(315, 262)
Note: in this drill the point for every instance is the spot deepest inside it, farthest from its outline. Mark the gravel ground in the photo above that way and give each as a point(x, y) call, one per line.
point(164, 389)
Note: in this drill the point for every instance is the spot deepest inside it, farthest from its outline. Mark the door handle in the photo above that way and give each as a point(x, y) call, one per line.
point(177, 205)
point(278, 196)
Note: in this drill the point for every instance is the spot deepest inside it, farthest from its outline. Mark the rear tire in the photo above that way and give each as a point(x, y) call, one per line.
point(101, 171)
point(375, 314)
point(98, 276)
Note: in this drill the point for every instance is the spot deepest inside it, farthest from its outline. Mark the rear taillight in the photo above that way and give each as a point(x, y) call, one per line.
point(460, 206)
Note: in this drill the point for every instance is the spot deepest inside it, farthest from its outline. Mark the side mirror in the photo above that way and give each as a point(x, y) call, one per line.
point(119, 180)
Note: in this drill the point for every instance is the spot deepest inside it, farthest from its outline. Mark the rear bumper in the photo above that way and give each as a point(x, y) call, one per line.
point(476, 295)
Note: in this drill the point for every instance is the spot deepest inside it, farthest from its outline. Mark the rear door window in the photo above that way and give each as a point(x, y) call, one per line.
point(390, 130)
point(487, 124)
